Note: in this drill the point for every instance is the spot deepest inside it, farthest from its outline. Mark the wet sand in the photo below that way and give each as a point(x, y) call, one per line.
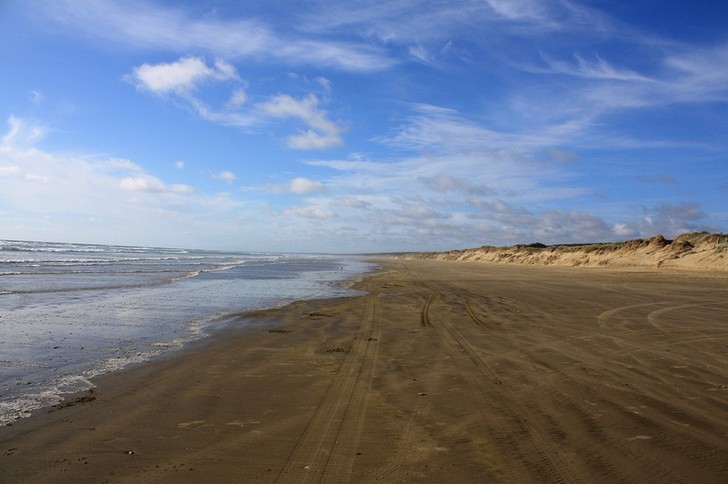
point(443, 372)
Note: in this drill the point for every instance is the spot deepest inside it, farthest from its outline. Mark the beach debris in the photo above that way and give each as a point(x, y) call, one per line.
point(338, 349)
point(318, 315)
point(129, 452)
point(76, 401)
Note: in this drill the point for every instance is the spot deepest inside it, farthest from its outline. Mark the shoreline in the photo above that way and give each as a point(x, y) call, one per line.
point(442, 371)
point(54, 339)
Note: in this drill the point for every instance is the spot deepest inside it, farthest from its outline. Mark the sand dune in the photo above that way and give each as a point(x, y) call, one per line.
point(693, 251)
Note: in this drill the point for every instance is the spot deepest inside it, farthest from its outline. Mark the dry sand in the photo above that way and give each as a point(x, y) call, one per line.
point(444, 372)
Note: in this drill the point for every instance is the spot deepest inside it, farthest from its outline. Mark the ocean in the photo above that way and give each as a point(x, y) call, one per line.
point(69, 312)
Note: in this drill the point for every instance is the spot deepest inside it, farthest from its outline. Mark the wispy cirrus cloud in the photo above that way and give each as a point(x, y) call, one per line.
point(598, 69)
point(697, 75)
point(143, 25)
point(700, 74)
point(20, 134)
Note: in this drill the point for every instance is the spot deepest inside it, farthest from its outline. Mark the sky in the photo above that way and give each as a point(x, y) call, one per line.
point(349, 126)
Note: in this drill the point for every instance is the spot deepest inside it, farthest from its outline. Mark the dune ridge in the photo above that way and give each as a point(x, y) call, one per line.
point(689, 251)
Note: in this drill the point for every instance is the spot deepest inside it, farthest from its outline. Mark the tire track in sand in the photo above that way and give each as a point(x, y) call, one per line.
point(516, 453)
point(424, 315)
point(326, 450)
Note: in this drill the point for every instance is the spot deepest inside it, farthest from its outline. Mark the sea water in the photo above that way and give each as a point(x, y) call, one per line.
point(69, 312)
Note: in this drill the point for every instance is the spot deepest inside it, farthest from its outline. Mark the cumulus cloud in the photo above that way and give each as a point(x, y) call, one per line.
point(300, 186)
point(181, 76)
point(150, 184)
point(227, 176)
point(182, 79)
point(322, 132)
point(667, 219)
point(237, 99)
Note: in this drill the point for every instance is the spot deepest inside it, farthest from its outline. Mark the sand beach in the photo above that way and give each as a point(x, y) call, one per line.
point(443, 372)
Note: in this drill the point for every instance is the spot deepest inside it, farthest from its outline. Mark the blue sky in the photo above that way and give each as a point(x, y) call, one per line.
point(362, 126)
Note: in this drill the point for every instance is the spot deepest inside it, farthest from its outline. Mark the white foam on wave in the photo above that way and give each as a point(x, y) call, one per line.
point(23, 406)
point(90, 332)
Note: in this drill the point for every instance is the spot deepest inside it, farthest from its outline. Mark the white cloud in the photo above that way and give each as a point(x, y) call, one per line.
point(667, 219)
point(297, 186)
point(21, 134)
point(55, 192)
point(315, 213)
point(227, 176)
point(444, 183)
point(36, 97)
point(36, 178)
point(465, 183)
point(596, 69)
point(354, 202)
point(700, 74)
point(390, 204)
point(506, 170)
point(149, 26)
point(9, 170)
point(142, 184)
point(322, 134)
point(301, 186)
point(237, 99)
point(152, 184)
point(181, 76)
point(180, 164)
point(528, 10)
